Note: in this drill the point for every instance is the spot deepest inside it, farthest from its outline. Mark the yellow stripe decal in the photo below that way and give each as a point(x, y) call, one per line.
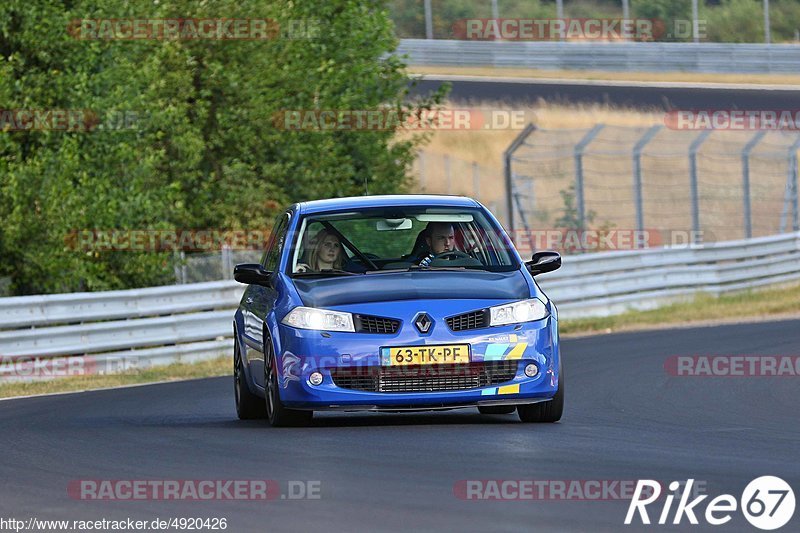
point(508, 389)
point(517, 351)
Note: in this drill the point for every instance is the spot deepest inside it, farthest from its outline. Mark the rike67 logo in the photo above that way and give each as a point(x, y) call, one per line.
point(767, 503)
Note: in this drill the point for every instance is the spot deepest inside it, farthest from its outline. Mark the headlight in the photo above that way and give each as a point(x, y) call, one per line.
point(514, 313)
point(321, 319)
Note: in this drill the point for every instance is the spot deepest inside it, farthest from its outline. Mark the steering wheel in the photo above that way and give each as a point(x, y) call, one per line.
point(453, 255)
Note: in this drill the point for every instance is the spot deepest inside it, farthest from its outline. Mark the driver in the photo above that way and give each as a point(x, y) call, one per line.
point(441, 238)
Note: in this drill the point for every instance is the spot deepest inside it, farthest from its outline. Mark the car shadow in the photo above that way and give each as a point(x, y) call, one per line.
point(361, 419)
point(325, 419)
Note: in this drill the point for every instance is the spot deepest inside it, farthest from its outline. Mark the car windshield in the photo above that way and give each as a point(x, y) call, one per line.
point(399, 239)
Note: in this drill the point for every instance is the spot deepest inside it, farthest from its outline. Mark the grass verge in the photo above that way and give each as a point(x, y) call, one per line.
point(174, 372)
point(688, 77)
point(704, 309)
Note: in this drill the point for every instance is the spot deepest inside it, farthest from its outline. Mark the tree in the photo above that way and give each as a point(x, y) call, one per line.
point(205, 150)
point(570, 218)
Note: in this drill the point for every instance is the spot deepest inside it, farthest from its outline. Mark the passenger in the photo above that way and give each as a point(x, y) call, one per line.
point(326, 253)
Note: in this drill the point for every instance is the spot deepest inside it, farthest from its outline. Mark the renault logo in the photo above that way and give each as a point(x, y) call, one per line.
point(423, 322)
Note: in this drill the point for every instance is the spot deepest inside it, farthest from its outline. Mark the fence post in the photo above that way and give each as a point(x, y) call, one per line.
point(183, 267)
point(530, 192)
point(790, 193)
point(422, 171)
point(637, 173)
point(223, 261)
point(176, 258)
point(428, 19)
point(578, 155)
point(476, 180)
point(508, 156)
point(748, 148)
point(793, 181)
point(693, 149)
point(522, 217)
point(227, 262)
point(447, 173)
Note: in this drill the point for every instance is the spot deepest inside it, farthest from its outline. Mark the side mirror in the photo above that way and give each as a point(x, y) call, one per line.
point(251, 274)
point(544, 262)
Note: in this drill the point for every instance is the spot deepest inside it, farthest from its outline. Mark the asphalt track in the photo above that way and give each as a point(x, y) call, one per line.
point(642, 96)
point(625, 419)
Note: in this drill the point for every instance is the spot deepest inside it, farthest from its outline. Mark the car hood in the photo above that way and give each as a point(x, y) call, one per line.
point(429, 285)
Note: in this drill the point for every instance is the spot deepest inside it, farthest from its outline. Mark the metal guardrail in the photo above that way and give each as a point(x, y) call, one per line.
point(192, 322)
point(115, 330)
point(32, 311)
point(608, 283)
point(617, 56)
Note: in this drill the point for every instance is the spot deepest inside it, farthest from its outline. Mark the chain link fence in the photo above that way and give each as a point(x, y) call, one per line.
point(719, 185)
point(443, 174)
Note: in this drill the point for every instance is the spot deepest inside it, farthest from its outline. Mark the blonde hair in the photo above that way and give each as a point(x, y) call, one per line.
point(313, 260)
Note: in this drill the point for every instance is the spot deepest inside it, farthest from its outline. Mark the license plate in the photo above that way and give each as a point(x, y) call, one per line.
point(425, 355)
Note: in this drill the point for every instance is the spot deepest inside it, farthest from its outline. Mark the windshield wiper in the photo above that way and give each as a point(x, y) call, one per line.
point(325, 272)
point(387, 271)
point(415, 268)
point(420, 267)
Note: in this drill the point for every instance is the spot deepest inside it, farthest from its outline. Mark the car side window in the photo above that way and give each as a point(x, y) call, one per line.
point(277, 242)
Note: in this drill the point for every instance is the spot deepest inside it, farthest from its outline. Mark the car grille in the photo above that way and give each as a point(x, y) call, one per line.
point(375, 324)
point(425, 378)
point(471, 320)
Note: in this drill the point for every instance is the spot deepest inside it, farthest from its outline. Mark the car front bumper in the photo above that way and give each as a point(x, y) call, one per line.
point(304, 352)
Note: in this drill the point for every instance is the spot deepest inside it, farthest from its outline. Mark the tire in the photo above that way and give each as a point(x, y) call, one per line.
point(277, 414)
point(497, 409)
point(248, 405)
point(545, 412)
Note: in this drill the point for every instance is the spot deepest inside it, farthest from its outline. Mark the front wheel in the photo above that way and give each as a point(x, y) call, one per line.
point(549, 411)
point(278, 415)
point(248, 405)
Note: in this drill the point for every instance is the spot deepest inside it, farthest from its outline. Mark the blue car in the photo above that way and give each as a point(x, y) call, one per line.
point(395, 303)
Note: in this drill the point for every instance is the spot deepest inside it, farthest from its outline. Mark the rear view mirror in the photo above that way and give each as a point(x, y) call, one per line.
point(393, 224)
point(544, 262)
point(251, 274)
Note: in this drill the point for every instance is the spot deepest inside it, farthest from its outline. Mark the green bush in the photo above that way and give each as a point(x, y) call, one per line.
point(204, 150)
point(736, 21)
